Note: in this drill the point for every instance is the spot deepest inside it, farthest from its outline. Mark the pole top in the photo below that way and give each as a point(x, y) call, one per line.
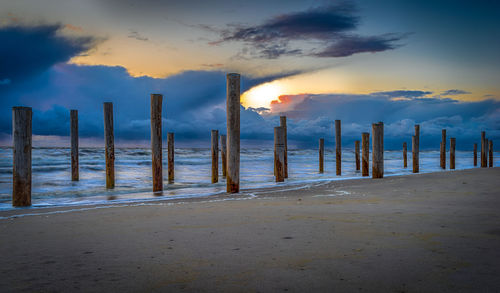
point(21, 108)
point(233, 74)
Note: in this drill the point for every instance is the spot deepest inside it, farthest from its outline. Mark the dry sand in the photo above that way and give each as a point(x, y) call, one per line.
point(421, 233)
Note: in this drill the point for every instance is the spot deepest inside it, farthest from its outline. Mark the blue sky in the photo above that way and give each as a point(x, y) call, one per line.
point(401, 62)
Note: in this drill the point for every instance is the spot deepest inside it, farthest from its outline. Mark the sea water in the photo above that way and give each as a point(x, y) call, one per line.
point(52, 185)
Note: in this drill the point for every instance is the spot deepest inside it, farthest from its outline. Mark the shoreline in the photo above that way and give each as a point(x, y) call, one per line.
point(163, 199)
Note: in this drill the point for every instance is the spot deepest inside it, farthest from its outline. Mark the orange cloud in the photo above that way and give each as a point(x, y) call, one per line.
point(287, 102)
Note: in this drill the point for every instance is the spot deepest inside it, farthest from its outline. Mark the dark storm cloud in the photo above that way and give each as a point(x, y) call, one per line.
point(194, 102)
point(332, 26)
point(350, 45)
point(28, 50)
point(317, 23)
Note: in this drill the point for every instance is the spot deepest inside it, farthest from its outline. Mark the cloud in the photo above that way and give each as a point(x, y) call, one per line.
point(403, 94)
point(28, 50)
point(454, 92)
point(350, 45)
point(194, 102)
point(331, 26)
point(135, 35)
point(311, 116)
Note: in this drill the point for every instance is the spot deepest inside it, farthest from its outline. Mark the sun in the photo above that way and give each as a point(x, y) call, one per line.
point(262, 95)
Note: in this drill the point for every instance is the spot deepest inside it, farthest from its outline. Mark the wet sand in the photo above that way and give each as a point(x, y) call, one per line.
point(437, 232)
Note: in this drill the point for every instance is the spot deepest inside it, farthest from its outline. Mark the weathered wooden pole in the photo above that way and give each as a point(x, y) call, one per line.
point(21, 167)
point(365, 153)
point(338, 147)
point(321, 155)
point(356, 152)
point(109, 142)
point(486, 147)
point(74, 145)
point(170, 156)
point(405, 158)
point(452, 153)
point(223, 154)
point(443, 149)
point(413, 146)
point(283, 124)
point(233, 132)
point(415, 150)
point(279, 153)
point(215, 156)
point(475, 154)
point(378, 150)
point(490, 150)
point(156, 142)
point(483, 148)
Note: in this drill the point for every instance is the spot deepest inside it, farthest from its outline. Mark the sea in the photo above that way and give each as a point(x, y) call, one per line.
point(52, 185)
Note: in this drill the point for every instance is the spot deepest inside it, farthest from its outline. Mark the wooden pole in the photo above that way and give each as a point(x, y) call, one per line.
point(21, 167)
point(490, 149)
point(475, 154)
point(170, 156)
point(233, 132)
point(452, 153)
point(74, 145)
point(156, 142)
point(413, 146)
point(365, 153)
point(486, 147)
point(356, 151)
point(283, 124)
point(215, 156)
point(483, 148)
point(443, 149)
point(109, 141)
point(440, 154)
point(415, 150)
point(338, 147)
point(321, 155)
point(405, 158)
point(279, 153)
point(223, 155)
point(378, 150)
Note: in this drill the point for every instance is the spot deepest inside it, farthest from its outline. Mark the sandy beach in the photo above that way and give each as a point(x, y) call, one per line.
point(436, 232)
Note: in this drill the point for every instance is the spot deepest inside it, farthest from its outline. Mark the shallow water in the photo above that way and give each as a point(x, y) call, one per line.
point(52, 185)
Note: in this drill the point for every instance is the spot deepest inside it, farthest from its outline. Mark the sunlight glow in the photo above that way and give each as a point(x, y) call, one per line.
point(262, 95)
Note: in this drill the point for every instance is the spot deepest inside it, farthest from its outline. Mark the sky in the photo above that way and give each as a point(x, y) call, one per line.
point(433, 63)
